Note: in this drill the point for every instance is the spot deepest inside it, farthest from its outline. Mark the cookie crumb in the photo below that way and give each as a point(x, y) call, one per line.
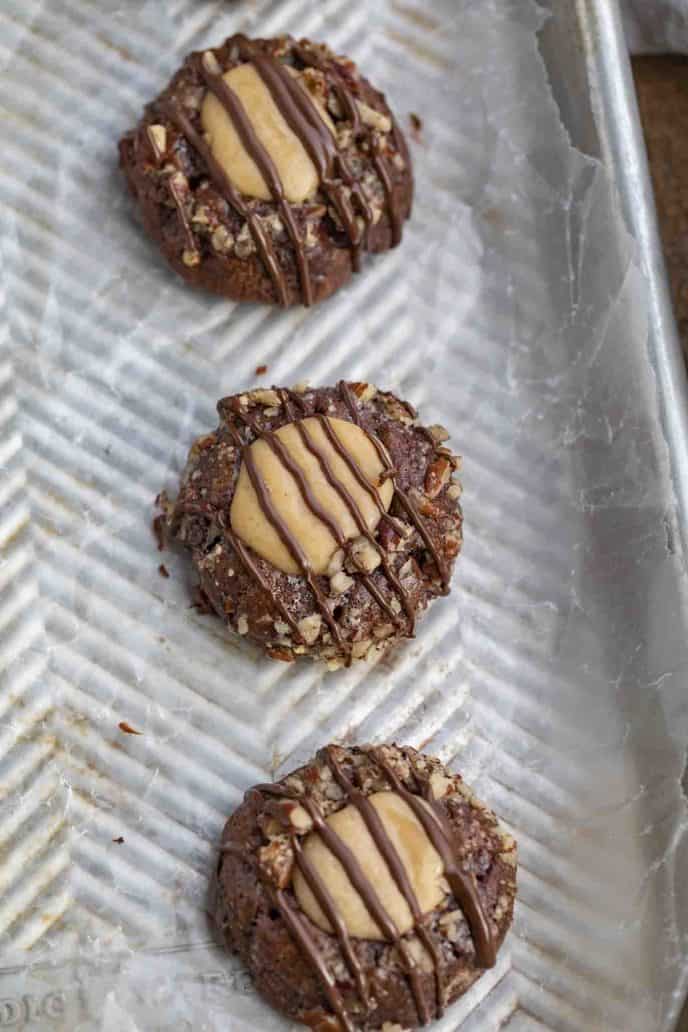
point(416, 126)
point(163, 571)
point(200, 601)
point(159, 531)
point(128, 729)
point(261, 370)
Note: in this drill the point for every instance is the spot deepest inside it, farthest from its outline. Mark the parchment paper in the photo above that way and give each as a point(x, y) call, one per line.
point(554, 676)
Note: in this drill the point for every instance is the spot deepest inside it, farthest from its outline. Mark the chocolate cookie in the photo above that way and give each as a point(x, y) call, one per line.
point(266, 167)
point(369, 886)
point(320, 521)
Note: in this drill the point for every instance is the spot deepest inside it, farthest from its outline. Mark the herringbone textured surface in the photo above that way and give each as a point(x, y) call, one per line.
point(517, 678)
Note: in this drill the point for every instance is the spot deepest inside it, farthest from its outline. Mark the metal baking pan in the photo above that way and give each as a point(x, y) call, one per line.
point(527, 311)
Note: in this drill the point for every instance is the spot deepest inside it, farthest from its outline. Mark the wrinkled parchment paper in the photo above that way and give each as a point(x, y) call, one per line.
point(554, 676)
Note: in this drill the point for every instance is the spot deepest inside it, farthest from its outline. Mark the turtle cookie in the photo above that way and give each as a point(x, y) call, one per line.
point(366, 890)
point(320, 521)
point(266, 168)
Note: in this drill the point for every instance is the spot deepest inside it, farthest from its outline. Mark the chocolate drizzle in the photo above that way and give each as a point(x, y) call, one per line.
point(327, 904)
point(337, 179)
point(462, 885)
point(353, 466)
point(389, 854)
point(305, 122)
point(251, 567)
point(212, 74)
point(354, 871)
point(360, 522)
point(383, 172)
point(400, 495)
point(348, 103)
point(288, 399)
point(274, 788)
point(285, 534)
point(178, 199)
point(273, 516)
point(290, 542)
point(393, 601)
point(312, 503)
point(242, 552)
point(176, 194)
point(366, 890)
point(396, 867)
point(294, 408)
point(440, 834)
point(232, 196)
point(299, 929)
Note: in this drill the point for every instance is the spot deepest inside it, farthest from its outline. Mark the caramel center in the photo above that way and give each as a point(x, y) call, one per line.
point(282, 488)
point(296, 170)
point(420, 859)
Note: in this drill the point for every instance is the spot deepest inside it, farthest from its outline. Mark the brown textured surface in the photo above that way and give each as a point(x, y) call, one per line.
point(200, 519)
point(244, 278)
point(254, 929)
point(662, 87)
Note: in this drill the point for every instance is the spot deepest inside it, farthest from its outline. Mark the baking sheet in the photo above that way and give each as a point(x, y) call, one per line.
point(656, 27)
point(554, 677)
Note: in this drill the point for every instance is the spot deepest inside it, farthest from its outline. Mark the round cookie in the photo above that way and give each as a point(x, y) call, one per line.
point(266, 168)
point(321, 521)
point(368, 887)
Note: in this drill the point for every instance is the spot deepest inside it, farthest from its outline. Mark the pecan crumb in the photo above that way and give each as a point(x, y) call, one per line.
point(159, 527)
point(436, 477)
point(163, 571)
point(261, 370)
point(128, 729)
point(282, 654)
point(276, 861)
